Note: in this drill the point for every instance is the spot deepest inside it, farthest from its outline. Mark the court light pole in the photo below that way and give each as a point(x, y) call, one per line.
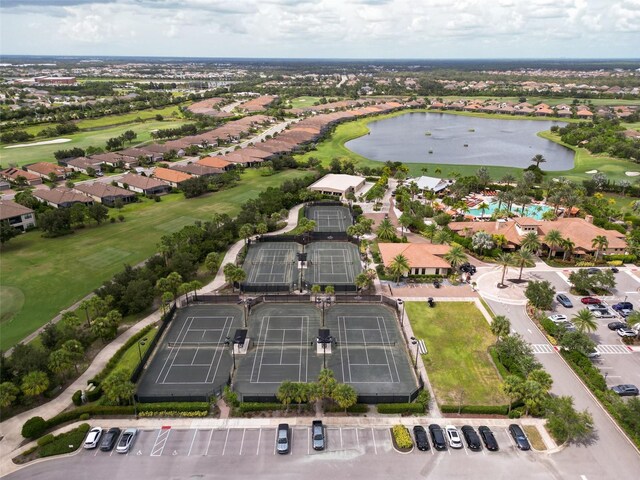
point(401, 304)
point(142, 342)
point(231, 344)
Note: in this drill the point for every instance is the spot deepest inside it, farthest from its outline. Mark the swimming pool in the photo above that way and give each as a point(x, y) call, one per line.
point(532, 211)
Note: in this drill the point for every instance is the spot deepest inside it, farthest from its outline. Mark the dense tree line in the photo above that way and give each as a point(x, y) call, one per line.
point(601, 136)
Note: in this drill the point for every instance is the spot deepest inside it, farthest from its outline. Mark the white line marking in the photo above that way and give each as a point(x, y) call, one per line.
point(195, 434)
point(373, 436)
point(259, 436)
point(225, 442)
point(209, 443)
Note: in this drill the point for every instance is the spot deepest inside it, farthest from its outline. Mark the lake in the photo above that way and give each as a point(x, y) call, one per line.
point(462, 140)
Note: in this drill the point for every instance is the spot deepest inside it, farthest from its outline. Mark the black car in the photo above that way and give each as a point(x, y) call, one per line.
point(437, 437)
point(468, 268)
point(614, 269)
point(623, 306)
point(109, 440)
point(471, 437)
point(564, 300)
point(592, 270)
point(422, 441)
point(519, 437)
point(489, 440)
point(617, 325)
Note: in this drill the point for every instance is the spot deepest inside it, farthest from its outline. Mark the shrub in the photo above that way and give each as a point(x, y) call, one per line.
point(66, 442)
point(76, 398)
point(502, 370)
point(34, 427)
point(516, 413)
point(84, 417)
point(173, 414)
point(550, 327)
point(401, 436)
point(400, 408)
point(175, 406)
point(615, 263)
point(95, 394)
point(246, 407)
point(585, 369)
point(46, 439)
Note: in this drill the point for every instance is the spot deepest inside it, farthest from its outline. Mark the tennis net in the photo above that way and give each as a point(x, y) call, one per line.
point(197, 344)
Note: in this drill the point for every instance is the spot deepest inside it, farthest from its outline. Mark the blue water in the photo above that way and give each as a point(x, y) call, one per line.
point(449, 139)
point(532, 211)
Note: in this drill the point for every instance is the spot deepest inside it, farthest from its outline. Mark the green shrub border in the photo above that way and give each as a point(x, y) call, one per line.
point(476, 409)
point(502, 370)
point(400, 408)
point(246, 407)
point(60, 444)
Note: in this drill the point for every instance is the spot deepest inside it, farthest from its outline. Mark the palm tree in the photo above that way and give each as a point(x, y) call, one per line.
point(500, 327)
point(530, 242)
point(585, 321)
point(34, 383)
point(601, 243)
point(568, 246)
point(523, 258)
point(443, 236)
point(482, 207)
point(508, 179)
point(456, 256)
point(553, 239)
point(538, 159)
point(501, 197)
point(399, 266)
point(430, 231)
point(504, 260)
point(405, 220)
point(385, 230)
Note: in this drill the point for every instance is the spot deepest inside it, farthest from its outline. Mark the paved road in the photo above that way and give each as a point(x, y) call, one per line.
point(610, 455)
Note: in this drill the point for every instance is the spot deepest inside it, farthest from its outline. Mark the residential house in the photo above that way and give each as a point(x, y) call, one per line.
point(433, 184)
point(423, 258)
point(16, 215)
point(216, 162)
point(112, 159)
point(62, 197)
point(172, 177)
point(144, 185)
point(17, 175)
point(84, 164)
point(197, 170)
point(45, 169)
point(138, 153)
point(106, 193)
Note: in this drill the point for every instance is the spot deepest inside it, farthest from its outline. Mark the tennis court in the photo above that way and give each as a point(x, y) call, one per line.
point(369, 353)
point(332, 263)
point(192, 359)
point(272, 263)
point(283, 348)
point(330, 218)
point(367, 350)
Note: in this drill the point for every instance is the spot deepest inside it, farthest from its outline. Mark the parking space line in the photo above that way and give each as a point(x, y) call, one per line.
point(259, 436)
point(275, 442)
point(195, 434)
point(242, 441)
point(209, 443)
point(373, 436)
point(341, 445)
point(161, 441)
point(225, 442)
point(308, 442)
point(357, 438)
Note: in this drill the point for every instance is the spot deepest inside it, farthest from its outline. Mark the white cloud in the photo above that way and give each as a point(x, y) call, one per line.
point(324, 28)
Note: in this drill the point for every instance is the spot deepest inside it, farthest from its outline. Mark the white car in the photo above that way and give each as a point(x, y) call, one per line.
point(454, 437)
point(93, 438)
point(603, 313)
point(557, 318)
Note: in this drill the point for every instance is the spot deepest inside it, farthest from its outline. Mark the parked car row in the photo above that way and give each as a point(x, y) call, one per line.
point(107, 439)
point(449, 437)
point(283, 438)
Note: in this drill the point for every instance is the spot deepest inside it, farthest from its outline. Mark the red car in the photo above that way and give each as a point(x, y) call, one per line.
point(591, 301)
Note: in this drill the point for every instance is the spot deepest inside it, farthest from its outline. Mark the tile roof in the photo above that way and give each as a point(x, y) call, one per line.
point(172, 176)
point(62, 195)
point(9, 209)
point(419, 255)
point(142, 182)
point(215, 162)
point(102, 190)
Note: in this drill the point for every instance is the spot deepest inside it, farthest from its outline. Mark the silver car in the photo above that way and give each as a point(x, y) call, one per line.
point(126, 440)
point(454, 437)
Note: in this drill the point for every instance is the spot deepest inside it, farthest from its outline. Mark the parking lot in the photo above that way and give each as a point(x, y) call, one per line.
point(252, 442)
point(618, 363)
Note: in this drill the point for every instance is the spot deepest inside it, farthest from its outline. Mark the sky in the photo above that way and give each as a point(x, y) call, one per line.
point(395, 29)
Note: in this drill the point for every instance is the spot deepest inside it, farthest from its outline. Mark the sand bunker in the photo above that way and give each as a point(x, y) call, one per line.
point(48, 142)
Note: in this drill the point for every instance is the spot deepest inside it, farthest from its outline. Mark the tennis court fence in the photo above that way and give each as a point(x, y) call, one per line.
point(164, 323)
point(215, 391)
point(311, 237)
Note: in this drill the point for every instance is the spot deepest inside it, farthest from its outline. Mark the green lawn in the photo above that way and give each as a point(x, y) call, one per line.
point(334, 147)
point(97, 138)
point(133, 355)
point(301, 102)
point(53, 273)
point(457, 337)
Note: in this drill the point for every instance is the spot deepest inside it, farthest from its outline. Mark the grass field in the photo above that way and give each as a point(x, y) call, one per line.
point(457, 337)
point(53, 273)
point(334, 147)
point(301, 102)
point(97, 138)
point(132, 356)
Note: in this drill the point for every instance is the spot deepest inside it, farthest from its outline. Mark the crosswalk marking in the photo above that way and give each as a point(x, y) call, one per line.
point(612, 349)
point(542, 348)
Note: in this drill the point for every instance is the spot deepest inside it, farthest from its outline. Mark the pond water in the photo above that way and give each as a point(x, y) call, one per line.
point(456, 139)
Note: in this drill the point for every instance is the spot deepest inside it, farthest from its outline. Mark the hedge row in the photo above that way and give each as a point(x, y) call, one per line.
point(623, 258)
point(173, 414)
point(502, 370)
point(175, 406)
point(402, 436)
point(246, 407)
point(401, 408)
point(65, 443)
point(476, 409)
point(113, 361)
point(585, 369)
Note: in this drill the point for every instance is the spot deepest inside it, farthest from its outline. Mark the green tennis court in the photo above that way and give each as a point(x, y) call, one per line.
point(332, 263)
point(330, 218)
point(272, 263)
